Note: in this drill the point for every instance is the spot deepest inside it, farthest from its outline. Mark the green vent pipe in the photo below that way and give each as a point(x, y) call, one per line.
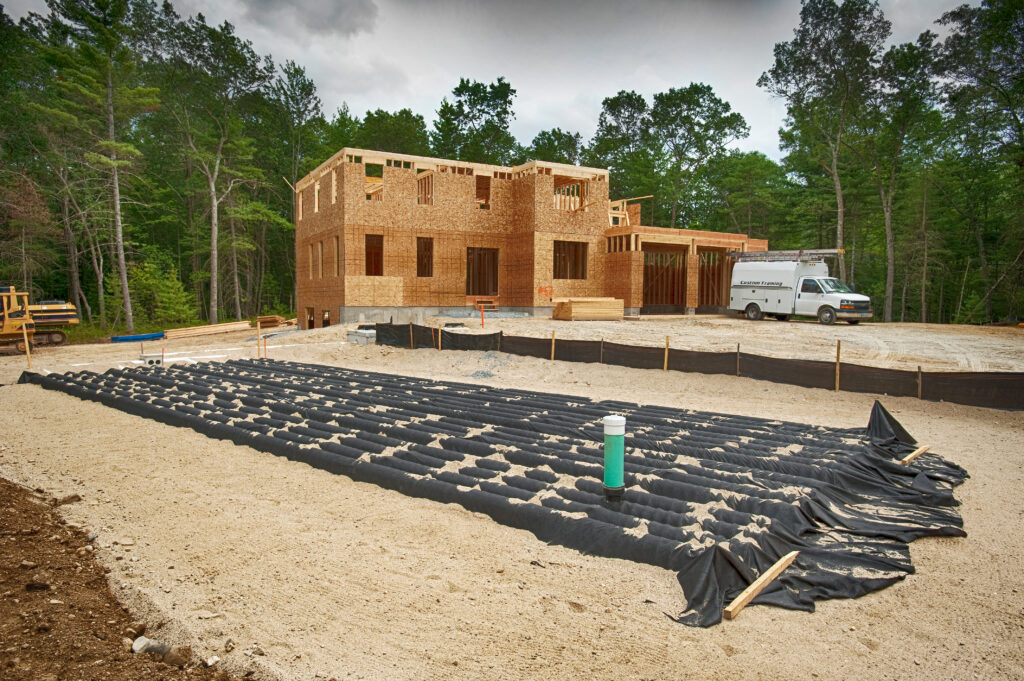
point(614, 457)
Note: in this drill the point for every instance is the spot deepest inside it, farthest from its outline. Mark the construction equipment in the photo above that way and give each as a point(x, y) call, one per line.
point(38, 324)
point(16, 326)
point(49, 316)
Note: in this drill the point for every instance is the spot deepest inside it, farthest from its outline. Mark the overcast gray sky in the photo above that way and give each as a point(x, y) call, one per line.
point(562, 56)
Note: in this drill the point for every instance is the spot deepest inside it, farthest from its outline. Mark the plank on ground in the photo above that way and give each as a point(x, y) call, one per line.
point(758, 585)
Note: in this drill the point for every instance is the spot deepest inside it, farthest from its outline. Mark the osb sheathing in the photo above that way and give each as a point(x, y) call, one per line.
point(625, 277)
point(521, 222)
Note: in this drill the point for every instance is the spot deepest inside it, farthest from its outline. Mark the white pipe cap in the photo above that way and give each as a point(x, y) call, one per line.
point(614, 425)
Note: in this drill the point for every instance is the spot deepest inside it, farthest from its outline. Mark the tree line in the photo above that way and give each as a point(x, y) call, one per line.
point(143, 158)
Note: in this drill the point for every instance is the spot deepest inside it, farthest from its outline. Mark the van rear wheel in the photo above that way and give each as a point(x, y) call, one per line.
point(753, 312)
point(827, 315)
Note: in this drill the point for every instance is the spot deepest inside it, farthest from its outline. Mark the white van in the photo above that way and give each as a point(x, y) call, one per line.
point(794, 287)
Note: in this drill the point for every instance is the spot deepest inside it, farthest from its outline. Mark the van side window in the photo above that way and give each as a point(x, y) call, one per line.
point(810, 286)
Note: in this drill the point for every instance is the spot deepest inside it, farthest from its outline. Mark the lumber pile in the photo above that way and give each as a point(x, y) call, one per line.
point(269, 321)
point(209, 329)
point(589, 309)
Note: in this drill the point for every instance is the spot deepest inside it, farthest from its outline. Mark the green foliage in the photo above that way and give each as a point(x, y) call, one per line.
point(624, 145)
point(910, 156)
point(691, 125)
point(474, 126)
point(401, 132)
point(161, 299)
point(556, 146)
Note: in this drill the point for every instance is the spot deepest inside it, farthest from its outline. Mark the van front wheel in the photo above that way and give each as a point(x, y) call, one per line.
point(753, 312)
point(827, 315)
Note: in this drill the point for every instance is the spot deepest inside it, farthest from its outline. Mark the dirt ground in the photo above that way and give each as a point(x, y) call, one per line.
point(329, 577)
point(58, 617)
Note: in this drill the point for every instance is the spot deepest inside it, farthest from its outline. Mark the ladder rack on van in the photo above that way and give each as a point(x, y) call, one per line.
point(770, 256)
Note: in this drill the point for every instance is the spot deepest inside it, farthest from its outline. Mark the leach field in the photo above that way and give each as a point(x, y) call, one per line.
point(311, 575)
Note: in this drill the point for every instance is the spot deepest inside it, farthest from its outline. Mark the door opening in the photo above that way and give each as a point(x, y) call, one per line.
point(481, 271)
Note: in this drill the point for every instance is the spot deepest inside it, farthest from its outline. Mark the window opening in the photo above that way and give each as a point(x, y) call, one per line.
point(483, 191)
point(424, 256)
point(570, 261)
point(570, 193)
point(374, 255)
point(325, 320)
point(425, 190)
point(374, 182)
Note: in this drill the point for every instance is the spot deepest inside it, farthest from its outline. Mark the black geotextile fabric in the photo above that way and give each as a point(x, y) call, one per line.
point(862, 379)
point(702, 362)
point(526, 347)
point(579, 351)
point(416, 336)
point(982, 389)
point(715, 498)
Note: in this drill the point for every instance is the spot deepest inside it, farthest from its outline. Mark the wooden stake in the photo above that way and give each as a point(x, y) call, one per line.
point(438, 336)
point(500, 334)
point(664, 366)
point(552, 345)
point(481, 316)
point(28, 349)
point(259, 339)
point(914, 454)
point(758, 585)
point(600, 357)
point(412, 346)
point(264, 347)
point(919, 381)
point(838, 346)
point(737, 359)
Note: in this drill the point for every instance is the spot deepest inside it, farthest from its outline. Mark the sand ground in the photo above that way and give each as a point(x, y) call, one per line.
point(334, 578)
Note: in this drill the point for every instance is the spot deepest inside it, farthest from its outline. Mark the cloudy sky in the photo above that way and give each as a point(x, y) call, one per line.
point(562, 56)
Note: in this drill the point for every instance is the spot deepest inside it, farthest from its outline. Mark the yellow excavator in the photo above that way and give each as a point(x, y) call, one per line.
point(40, 324)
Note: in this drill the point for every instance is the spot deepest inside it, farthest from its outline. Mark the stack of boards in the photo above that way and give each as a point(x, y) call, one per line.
point(207, 330)
point(588, 309)
point(269, 321)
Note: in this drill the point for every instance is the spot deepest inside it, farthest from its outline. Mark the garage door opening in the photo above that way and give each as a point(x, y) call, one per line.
point(664, 281)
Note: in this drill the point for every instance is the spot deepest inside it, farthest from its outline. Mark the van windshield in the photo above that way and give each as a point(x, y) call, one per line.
point(835, 286)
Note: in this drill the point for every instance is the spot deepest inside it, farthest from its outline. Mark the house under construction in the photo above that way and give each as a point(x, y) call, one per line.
point(391, 235)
